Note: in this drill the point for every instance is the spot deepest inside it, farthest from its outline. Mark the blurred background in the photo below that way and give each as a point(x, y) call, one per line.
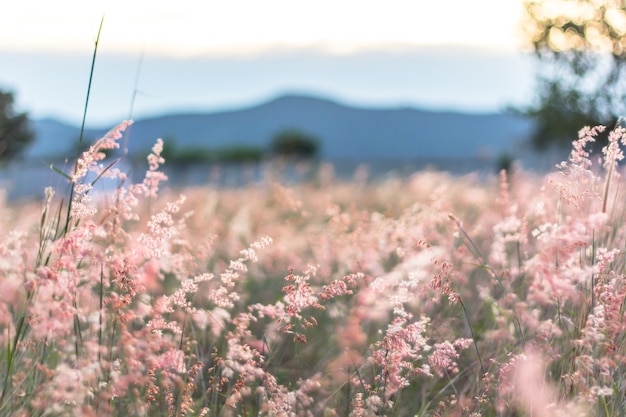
point(394, 87)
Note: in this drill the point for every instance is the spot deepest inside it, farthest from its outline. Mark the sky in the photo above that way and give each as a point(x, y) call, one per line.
point(173, 56)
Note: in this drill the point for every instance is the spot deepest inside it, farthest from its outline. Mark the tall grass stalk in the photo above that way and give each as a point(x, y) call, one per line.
point(82, 126)
point(48, 231)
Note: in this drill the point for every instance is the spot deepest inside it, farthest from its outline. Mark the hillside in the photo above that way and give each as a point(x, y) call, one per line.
point(345, 132)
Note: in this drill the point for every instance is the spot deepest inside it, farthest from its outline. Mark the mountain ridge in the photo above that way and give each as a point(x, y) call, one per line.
point(344, 131)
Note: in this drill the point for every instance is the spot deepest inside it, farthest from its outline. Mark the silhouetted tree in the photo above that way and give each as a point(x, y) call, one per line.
point(293, 143)
point(581, 49)
point(15, 133)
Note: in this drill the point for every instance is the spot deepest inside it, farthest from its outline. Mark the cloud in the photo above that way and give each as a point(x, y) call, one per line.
point(187, 27)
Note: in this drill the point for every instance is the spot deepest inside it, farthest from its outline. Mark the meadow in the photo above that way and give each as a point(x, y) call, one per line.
point(430, 295)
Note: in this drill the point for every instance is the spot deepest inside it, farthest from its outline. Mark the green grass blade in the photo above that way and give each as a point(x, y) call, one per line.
point(82, 126)
point(60, 172)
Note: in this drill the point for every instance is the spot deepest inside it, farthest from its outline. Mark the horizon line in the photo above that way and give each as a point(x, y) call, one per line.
point(297, 94)
point(275, 49)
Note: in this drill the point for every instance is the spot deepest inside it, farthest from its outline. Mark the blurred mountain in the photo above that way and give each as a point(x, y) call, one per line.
point(345, 132)
point(57, 139)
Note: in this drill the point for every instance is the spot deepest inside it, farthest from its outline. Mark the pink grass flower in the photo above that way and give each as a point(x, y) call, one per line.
point(172, 360)
point(159, 228)
point(535, 395)
point(300, 295)
point(444, 356)
point(580, 183)
point(88, 160)
point(402, 346)
point(226, 295)
point(153, 176)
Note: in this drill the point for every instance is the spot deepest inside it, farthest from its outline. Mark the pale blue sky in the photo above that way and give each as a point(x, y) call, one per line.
point(209, 55)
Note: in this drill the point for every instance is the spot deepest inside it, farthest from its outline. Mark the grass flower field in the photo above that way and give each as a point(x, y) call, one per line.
point(431, 295)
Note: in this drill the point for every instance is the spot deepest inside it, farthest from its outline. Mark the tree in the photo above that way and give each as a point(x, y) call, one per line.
point(581, 46)
point(15, 133)
point(292, 143)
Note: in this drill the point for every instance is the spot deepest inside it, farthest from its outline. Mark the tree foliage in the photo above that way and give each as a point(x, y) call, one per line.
point(581, 47)
point(292, 143)
point(15, 133)
point(235, 154)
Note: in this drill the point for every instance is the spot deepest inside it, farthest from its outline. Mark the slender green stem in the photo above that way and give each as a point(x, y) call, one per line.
point(111, 342)
point(132, 105)
point(469, 323)
point(100, 313)
point(469, 243)
point(11, 351)
point(82, 126)
point(78, 339)
point(607, 183)
point(10, 354)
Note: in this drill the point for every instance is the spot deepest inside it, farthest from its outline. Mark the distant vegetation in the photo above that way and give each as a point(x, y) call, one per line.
point(287, 144)
point(295, 144)
point(15, 133)
point(232, 154)
point(580, 81)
